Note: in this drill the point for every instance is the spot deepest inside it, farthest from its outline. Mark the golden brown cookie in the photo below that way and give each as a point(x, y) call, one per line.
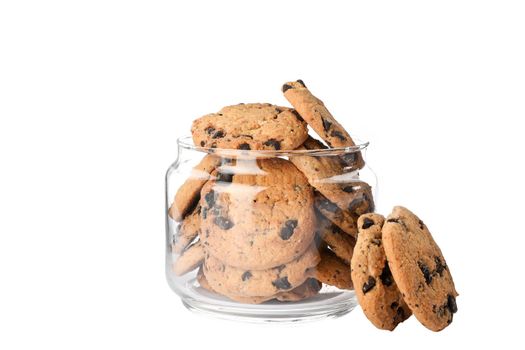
point(328, 175)
point(306, 290)
point(251, 126)
point(375, 287)
point(343, 219)
point(419, 269)
point(340, 243)
point(332, 270)
point(189, 260)
point(260, 217)
point(188, 230)
point(314, 112)
point(188, 194)
point(229, 280)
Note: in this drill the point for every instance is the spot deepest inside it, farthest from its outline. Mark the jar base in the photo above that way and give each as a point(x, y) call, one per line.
point(327, 304)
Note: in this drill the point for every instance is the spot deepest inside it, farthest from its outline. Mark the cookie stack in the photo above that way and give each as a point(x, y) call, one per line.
point(271, 212)
point(262, 226)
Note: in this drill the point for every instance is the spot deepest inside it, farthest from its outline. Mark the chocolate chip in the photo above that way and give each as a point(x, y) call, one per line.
point(219, 134)
point(247, 136)
point(210, 198)
point(376, 242)
point(244, 146)
point(287, 230)
point(386, 276)
point(367, 223)
point(301, 82)
point(280, 267)
point(338, 134)
point(223, 223)
point(246, 276)
point(451, 304)
point(349, 158)
point(273, 143)
point(209, 130)
point(326, 124)
point(394, 305)
point(400, 315)
point(440, 266)
point(348, 189)
point(203, 143)
point(282, 283)
point(204, 213)
point(286, 87)
point(297, 115)
point(369, 284)
point(421, 224)
point(225, 177)
point(393, 220)
point(426, 272)
point(325, 204)
point(354, 204)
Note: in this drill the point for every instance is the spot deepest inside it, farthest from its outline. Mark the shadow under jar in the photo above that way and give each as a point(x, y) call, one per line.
point(265, 235)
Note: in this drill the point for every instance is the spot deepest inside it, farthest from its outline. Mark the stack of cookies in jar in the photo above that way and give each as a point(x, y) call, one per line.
point(260, 223)
point(272, 212)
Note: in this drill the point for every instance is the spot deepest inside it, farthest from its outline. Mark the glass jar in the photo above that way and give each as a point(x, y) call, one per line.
point(265, 235)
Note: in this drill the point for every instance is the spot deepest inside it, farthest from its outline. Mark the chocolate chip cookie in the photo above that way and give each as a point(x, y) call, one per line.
point(314, 112)
point(252, 126)
point(419, 269)
point(306, 290)
point(332, 270)
point(261, 216)
point(340, 243)
point(343, 219)
point(188, 230)
point(229, 280)
point(189, 260)
point(188, 193)
point(328, 175)
point(375, 287)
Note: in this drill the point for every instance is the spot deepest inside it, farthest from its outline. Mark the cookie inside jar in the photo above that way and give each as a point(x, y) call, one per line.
point(269, 214)
point(264, 230)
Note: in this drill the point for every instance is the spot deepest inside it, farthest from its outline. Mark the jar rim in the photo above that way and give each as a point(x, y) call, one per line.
point(186, 142)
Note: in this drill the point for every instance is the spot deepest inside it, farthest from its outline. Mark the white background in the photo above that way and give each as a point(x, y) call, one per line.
point(94, 93)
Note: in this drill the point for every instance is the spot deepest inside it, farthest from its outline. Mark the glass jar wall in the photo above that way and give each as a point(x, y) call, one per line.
point(265, 235)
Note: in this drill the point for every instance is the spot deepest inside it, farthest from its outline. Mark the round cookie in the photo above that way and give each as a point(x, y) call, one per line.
point(189, 259)
point(314, 112)
point(328, 175)
point(252, 126)
point(332, 270)
point(229, 280)
point(375, 287)
point(306, 290)
point(343, 219)
point(188, 193)
point(340, 243)
point(188, 230)
point(263, 217)
point(419, 269)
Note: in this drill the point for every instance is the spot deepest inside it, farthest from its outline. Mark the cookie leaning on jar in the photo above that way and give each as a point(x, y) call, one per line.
point(399, 270)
